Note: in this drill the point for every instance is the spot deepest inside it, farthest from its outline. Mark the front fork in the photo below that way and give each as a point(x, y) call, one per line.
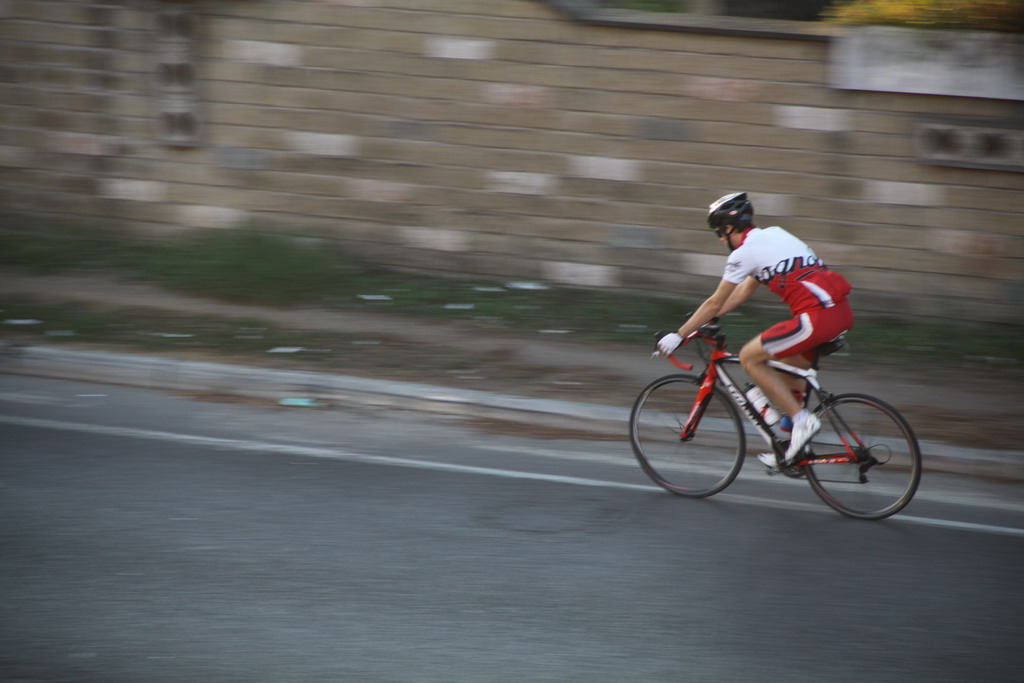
point(700, 404)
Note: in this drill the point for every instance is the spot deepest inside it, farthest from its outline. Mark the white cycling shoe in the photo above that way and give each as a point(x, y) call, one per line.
point(803, 432)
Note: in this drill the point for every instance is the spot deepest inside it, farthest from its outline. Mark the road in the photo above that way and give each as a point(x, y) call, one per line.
point(151, 538)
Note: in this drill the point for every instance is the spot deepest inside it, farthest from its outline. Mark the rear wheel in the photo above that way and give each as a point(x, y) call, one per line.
point(699, 464)
point(888, 470)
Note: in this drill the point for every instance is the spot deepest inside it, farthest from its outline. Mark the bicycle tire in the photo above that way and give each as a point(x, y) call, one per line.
point(696, 467)
point(872, 428)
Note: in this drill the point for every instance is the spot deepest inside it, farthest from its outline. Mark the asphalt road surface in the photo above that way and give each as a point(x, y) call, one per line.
point(150, 538)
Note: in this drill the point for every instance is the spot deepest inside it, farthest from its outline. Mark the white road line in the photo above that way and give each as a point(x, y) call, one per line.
point(966, 526)
point(352, 456)
point(307, 451)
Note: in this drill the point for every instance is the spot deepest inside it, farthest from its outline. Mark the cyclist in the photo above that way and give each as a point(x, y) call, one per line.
point(788, 267)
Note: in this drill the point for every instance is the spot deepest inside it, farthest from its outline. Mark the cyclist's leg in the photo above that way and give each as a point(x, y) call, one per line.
point(776, 386)
point(797, 385)
point(793, 342)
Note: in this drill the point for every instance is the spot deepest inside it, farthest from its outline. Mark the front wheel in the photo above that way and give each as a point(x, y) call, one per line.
point(888, 467)
point(690, 456)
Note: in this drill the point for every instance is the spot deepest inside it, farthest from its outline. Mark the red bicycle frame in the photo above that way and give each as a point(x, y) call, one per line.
point(711, 376)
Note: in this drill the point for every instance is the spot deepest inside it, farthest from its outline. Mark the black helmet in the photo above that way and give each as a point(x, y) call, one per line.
point(732, 209)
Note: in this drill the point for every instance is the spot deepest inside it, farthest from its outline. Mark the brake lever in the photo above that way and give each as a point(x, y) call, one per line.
point(657, 337)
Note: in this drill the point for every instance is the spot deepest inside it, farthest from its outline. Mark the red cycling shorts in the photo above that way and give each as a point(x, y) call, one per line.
point(806, 332)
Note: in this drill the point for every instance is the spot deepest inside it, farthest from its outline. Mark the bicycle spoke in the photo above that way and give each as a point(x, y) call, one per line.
point(697, 457)
point(886, 466)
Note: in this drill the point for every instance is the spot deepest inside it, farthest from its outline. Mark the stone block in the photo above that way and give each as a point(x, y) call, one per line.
point(976, 243)
point(521, 183)
point(771, 205)
point(580, 274)
point(632, 260)
point(593, 124)
point(724, 89)
point(305, 183)
point(911, 194)
point(145, 212)
point(803, 95)
point(706, 265)
point(489, 117)
point(812, 118)
point(435, 238)
point(651, 128)
point(241, 159)
point(880, 144)
point(691, 234)
point(221, 70)
point(135, 190)
point(353, 3)
point(517, 9)
point(378, 190)
point(915, 284)
point(556, 249)
point(263, 52)
point(919, 261)
point(84, 143)
point(412, 130)
point(323, 144)
point(211, 216)
point(494, 243)
point(605, 168)
point(517, 95)
point(479, 25)
point(633, 193)
point(443, 47)
point(636, 237)
point(986, 199)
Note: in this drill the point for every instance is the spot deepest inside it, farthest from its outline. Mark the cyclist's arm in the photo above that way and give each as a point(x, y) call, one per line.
point(743, 291)
point(711, 308)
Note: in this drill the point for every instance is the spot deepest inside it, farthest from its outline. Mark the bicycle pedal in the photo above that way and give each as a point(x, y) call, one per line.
point(793, 472)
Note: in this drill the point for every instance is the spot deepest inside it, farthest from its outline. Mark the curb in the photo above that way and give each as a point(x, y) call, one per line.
point(239, 380)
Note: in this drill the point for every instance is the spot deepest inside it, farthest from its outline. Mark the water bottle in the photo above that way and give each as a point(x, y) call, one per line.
point(762, 406)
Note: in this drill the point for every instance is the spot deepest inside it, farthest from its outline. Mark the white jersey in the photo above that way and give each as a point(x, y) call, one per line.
point(788, 267)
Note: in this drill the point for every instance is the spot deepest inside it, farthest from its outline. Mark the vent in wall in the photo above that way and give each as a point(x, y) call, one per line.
point(970, 144)
point(177, 119)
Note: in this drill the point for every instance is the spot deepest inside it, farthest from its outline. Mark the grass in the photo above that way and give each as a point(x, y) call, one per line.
point(655, 5)
point(206, 337)
point(145, 329)
point(49, 252)
point(271, 270)
point(248, 267)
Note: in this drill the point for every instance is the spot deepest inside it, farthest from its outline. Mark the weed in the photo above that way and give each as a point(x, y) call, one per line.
point(273, 270)
point(247, 267)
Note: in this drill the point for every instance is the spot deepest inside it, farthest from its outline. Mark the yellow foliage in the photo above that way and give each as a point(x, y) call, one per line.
point(988, 15)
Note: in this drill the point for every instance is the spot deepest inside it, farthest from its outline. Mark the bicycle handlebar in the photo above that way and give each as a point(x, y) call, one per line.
point(678, 363)
point(709, 331)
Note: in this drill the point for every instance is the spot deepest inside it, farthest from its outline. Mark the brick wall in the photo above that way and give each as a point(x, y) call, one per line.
point(498, 137)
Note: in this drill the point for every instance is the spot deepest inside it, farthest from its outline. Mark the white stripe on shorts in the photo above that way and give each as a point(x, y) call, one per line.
point(800, 334)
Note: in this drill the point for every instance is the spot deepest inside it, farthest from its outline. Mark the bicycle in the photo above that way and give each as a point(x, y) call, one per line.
point(688, 437)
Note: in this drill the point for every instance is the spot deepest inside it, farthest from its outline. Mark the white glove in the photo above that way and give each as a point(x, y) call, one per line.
point(669, 343)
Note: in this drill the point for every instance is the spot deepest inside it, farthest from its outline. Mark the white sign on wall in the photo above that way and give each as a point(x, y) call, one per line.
point(958, 63)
